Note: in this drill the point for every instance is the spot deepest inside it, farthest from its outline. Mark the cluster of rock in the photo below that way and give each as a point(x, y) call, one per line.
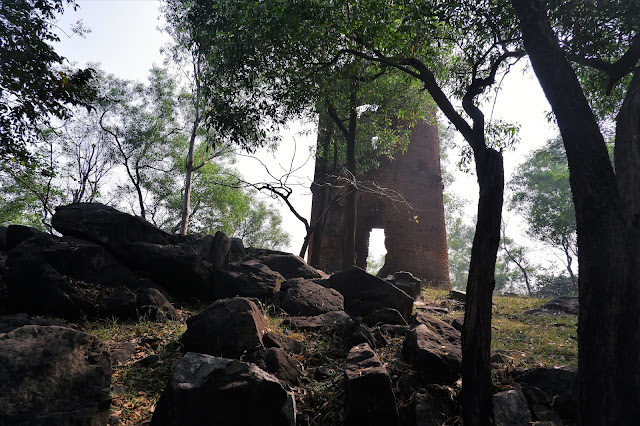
point(235, 370)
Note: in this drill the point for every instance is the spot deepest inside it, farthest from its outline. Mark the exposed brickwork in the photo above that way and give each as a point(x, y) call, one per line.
point(415, 238)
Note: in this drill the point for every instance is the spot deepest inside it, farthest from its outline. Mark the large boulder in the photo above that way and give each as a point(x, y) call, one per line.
point(434, 347)
point(106, 226)
point(406, 282)
point(287, 264)
point(35, 287)
point(207, 390)
point(228, 327)
point(363, 293)
point(510, 408)
point(214, 250)
point(368, 396)
point(16, 234)
point(558, 384)
point(433, 405)
point(279, 363)
point(247, 279)
point(176, 267)
point(301, 297)
point(3, 238)
point(53, 375)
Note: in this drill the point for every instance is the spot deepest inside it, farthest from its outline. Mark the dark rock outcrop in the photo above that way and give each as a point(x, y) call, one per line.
point(277, 362)
point(224, 392)
point(301, 297)
point(559, 385)
point(53, 375)
point(563, 305)
point(384, 316)
point(228, 327)
point(406, 282)
point(433, 405)
point(247, 279)
point(369, 398)
point(16, 234)
point(435, 349)
point(510, 408)
point(286, 264)
point(328, 320)
point(278, 340)
point(540, 406)
point(364, 293)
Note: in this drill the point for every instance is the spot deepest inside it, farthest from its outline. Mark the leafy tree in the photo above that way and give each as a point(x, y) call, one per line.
point(34, 83)
point(543, 196)
point(270, 58)
point(601, 40)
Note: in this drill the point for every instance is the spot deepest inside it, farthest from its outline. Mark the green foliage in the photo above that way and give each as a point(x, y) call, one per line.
point(34, 84)
point(543, 196)
point(374, 265)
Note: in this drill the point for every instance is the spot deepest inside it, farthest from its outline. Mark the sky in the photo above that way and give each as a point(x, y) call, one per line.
point(126, 40)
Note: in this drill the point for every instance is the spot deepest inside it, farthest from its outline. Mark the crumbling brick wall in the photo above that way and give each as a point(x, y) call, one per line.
point(415, 238)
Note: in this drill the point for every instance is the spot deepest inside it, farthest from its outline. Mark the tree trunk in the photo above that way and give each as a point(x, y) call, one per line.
point(608, 332)
point(476, 332)
point(186, 196)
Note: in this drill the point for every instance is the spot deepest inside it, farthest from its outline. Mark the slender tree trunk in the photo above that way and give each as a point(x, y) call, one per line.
point(349, 250)
point(476, 332)
point(608, 323)
point(186, 197)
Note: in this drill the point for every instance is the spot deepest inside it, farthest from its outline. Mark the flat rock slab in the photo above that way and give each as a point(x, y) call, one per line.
point(279, 363)
point(301, 297)
point(53, 375)
point(364, 293)
point(228, 327)
point(287, 264)
point(207, 390)
point(384, 316)
point(328, 320)
point(369, 398)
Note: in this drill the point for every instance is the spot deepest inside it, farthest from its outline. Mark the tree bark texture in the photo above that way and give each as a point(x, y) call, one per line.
point(608, 324)
point(476, 332)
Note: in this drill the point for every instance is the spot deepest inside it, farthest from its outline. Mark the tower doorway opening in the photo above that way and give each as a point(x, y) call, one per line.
point(377, 251)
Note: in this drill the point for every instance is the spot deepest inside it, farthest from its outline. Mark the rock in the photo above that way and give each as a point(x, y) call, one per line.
point(53, 375)
point(323, 373)
point(151, 303)
point(237, 251)
point(176, 267)
point(122, 352)
point(564, 305)
point(540, 406)
point(510, 408)
point(277, 362)
point(214, 250)
point(406, 282)
point(559, 385)
point(278, 340)
point(434, 348)
point(36, 288)
point(223, 392)
point(458, 295)
point(16, 234)
point(287, 264)
point(106, 226)
point(395, 330)
point(11, 322)
point(433, 405)
point(228, 327)
point(301, 297)
point(384, 316)
point(358, 333)
point(458, 323)
point(328, 320)
point(369, 398)
point(247, 279)
point(363, 293)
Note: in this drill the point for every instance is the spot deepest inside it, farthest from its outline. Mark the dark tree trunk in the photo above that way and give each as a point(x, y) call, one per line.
point(608, 324)
point(476, 332)
point(349, 250)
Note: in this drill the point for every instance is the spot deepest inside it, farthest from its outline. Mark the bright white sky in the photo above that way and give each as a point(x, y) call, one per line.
point(125, 39)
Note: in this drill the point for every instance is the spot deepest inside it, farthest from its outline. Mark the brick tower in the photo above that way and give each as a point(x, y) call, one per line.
point(415, 238)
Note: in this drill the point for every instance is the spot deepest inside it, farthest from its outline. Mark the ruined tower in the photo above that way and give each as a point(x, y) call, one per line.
point(415, 238)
